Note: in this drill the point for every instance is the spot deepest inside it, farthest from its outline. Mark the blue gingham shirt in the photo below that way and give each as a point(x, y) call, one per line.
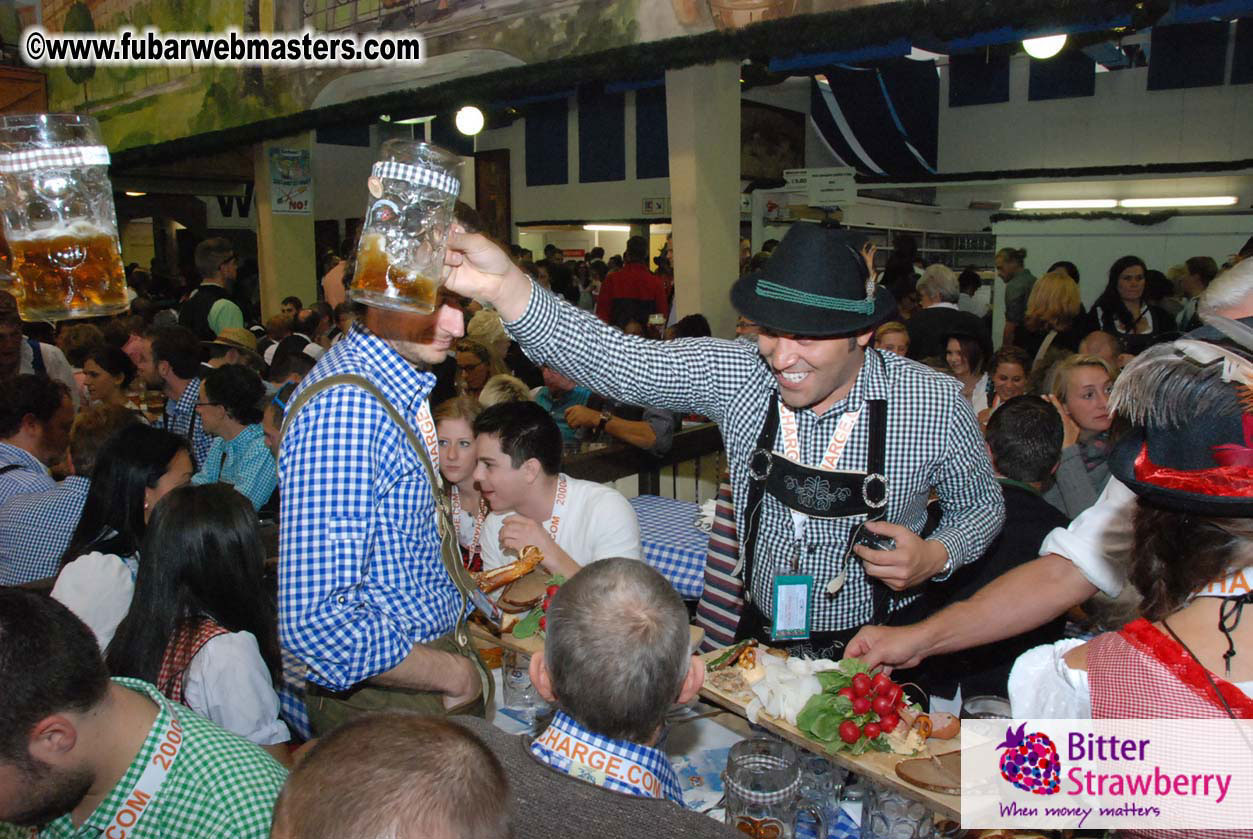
point(360, 576)
point(35, 529)
point(932, 441)
point(653, 760)
point(244, 462)
point(29, 475)
point(180, 417)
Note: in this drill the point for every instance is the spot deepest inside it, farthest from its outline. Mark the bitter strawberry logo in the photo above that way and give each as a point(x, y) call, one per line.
point(1029, 761)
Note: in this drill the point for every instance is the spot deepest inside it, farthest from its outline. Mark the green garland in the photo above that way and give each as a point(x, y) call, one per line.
point(941, 20)
point(1142, 219)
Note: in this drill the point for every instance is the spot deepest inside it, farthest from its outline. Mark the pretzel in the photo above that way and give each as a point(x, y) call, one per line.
point(526, 562)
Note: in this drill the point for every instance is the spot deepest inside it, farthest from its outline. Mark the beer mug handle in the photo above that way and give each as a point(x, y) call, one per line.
point(819, 819)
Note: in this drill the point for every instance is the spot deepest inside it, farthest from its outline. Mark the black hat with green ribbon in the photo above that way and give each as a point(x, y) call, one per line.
point(816, 284)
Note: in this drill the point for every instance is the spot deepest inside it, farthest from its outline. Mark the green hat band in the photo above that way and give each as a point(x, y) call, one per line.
point(774, 291)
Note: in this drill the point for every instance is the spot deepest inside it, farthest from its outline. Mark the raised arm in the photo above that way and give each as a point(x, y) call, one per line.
point(698, 375)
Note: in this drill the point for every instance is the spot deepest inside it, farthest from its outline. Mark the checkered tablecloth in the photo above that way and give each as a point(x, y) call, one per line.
point(673, 544)
point(291, 697)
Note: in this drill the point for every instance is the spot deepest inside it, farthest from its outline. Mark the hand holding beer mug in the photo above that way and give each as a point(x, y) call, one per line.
point(59, 218)
point(400, 258)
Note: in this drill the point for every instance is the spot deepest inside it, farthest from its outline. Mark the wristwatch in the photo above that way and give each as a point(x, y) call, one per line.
point(605, 416)
point(950, 565)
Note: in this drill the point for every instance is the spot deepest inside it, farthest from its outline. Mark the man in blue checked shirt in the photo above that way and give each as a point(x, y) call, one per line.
point(834, 447)
point(35, 418)
point(364, 599)
point(170, 359)
point(35, 528)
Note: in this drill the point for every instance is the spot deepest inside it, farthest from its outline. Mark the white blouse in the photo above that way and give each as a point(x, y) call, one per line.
point(1042, 685)
point(227, 681)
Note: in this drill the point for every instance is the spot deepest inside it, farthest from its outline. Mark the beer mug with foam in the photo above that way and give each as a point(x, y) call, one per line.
point(400, 257)
point(59, 219)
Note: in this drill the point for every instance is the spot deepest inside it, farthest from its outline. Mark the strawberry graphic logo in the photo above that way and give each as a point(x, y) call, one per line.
point(1029, 761)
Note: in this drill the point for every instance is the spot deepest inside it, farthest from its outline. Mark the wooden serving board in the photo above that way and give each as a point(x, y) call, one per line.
point(535, 644)
point(878, 766)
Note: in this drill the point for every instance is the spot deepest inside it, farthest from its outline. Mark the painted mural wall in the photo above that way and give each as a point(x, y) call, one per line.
point(143, 105)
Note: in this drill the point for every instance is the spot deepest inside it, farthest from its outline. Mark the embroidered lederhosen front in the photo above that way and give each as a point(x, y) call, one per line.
point(818, 493)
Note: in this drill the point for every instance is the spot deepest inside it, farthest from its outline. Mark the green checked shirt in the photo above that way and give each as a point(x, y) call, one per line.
point(219, 787)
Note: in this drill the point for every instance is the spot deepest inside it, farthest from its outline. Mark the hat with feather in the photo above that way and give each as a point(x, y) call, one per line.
point(1190, 404)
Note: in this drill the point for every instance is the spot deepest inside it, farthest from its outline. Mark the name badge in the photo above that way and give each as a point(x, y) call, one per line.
point(791, 599)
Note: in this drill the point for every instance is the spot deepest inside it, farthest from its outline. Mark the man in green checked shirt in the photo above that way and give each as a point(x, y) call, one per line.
point(85, 756)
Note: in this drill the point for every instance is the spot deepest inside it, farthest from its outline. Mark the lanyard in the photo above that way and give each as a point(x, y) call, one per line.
point(580, 758)
point(792, 450)
point(559, 507)
point(137, 802)
point(839, 440)
point(426, 430)
point(478, 521)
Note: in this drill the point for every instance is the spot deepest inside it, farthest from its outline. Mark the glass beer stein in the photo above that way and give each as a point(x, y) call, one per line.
point(762, 783)
point(400, 257)
point(59, 219)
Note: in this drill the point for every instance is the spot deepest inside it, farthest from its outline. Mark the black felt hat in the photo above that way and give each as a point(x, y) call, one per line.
point(1190, 448)
point(815, 283)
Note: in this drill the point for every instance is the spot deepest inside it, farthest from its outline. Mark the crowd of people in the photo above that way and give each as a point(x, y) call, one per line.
point(952, 510)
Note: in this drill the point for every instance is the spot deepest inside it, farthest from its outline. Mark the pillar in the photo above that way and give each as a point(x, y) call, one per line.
point(286, 253)
point(703, 122)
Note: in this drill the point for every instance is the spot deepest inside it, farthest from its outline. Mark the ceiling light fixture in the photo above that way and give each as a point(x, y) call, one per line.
point(1196, 201)
point(1045, 47)
point(1068, 204)
point(135, 194)
point(608, 228)
point(469, 120)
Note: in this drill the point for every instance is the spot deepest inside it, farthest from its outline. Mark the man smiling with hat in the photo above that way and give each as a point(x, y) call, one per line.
point(831, 444)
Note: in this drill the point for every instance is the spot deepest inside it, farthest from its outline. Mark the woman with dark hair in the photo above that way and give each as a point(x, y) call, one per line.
point(230, 408)
point(964, 356)
point(1123, 310)
point(1186, 458)
point(134, 470)
point(202, 626)
point(107, 375)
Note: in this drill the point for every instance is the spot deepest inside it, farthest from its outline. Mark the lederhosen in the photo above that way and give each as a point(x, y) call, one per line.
point(818, 493)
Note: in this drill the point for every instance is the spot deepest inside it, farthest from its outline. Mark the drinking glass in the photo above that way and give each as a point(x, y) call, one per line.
point(400, 256)
point(887, 814)
point(986, 708)
point(762, 783)
point(59, 219)
point(518, 691)
point(822, 785)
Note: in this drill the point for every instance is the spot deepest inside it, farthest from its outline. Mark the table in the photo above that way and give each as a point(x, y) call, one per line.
point(672, 542)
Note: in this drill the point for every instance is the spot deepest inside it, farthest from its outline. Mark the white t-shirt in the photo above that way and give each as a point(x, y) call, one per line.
point(55, 364)
point(227, 681)
point(598, 523)
point(1099, 540)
